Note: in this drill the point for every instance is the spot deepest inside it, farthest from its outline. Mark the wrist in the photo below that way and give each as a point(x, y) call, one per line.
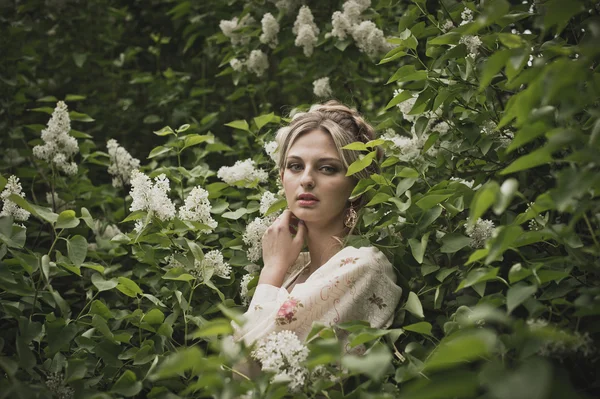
point(271, 275)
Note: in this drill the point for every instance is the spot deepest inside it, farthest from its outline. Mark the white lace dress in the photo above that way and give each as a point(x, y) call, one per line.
point(355, 284)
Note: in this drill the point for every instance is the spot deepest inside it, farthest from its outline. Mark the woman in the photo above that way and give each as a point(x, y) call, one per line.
point(330, 283)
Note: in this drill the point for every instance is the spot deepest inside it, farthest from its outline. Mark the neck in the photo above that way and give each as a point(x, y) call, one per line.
point(322, 245)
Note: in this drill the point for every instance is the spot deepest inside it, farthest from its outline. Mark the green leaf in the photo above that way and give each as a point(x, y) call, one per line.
point(374, 363)
point(178, 274)
point(135, 215)
point(455, 350)
point(177, 363)
point(77, 247)
point(408, 73)
point(160, 150)
point(38, 211)
point(235, 215)
point(129, 287)
point(559, 12)
point(102, 284)
point(483, 199)
point(165, 131)
point(87, 217)
point(127, 385)
point(361, 164)
point(418, 247)
point(413, 305)
point(378, 199)
point(214, 328)
point(538, 157)
point(508, 189)
point(422, 327)
point(76, 370)
point(403, 96)
point(195, 139)
point(264, 119)
point(517, 273)
point(154, 317)
point(239, 124)
point(431, 200)
point(66, 220)
point(454, 242)
point(517, 294)
point(477, 276)
point(492, 66)
point(505, 237)
point(81, 117)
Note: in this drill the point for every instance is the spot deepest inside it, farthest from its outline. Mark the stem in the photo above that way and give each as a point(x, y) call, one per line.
point(235, 371)
point(185, 323)
point(87, 304)
point(587, 221)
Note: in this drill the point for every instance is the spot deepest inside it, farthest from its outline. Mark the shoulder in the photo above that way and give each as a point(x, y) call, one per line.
point(368, 256)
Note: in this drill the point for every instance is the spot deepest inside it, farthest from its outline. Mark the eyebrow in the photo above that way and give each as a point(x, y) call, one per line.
point(319, 160)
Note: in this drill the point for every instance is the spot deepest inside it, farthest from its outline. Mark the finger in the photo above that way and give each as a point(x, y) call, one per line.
point(301, 232)
point(286, 216)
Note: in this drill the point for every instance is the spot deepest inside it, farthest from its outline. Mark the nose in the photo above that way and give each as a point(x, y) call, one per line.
point(307, 180)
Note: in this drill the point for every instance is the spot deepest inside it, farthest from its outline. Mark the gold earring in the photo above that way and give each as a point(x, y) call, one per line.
point(351, 217)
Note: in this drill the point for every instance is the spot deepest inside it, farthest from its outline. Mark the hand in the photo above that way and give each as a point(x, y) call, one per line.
point(280, 248)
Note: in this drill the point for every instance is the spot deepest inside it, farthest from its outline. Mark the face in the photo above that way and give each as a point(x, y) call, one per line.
point(315, 182)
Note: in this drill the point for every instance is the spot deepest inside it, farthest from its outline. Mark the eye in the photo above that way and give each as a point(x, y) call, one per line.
point(294, 167)
point(329, 169)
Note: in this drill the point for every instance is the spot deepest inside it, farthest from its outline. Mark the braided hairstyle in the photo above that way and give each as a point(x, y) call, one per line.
point(345, 125)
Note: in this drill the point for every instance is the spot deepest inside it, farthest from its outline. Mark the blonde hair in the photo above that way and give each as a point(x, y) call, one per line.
point(344, 125)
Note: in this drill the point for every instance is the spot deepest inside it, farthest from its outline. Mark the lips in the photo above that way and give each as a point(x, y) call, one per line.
point(307, 197)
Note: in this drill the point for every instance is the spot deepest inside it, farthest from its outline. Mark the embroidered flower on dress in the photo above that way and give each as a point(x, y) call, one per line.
point(378, 301)
point(287, 312)
point(347, 261)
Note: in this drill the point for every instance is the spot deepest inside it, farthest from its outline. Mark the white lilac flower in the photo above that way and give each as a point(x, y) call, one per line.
point(197, 208)
point(409, 148)
point(463, 181)
point(406, 106)
point(9, 208)
point(272, 150)
point(401, 220)
point(246, 278)
point(150, 197)
point(473, 43)
point(344, 22)
point(215, 260)
point(171, 262)
point(479, 232)
point(442, 128)
point(505, 138)
point(321, 87)
point(270, 29)
point(466, 16)
point(253, 237)
point(448, 25)
point(252, 268)
point(342, 26)
point(488, 128)
point(370, 39)
point(11, 157)
point(55, 384)
point(306, 31)
point(57, 203)
point(241, 171)
point(257, 63)
point(230, 28)
point(267, 199)
point(58, 145)
point(121, 163)
point(282, 353)
point(236, 64)
point(287, 6)
point(107, 232)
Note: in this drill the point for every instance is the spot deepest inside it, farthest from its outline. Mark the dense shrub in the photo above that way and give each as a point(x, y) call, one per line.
point(116, 284)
